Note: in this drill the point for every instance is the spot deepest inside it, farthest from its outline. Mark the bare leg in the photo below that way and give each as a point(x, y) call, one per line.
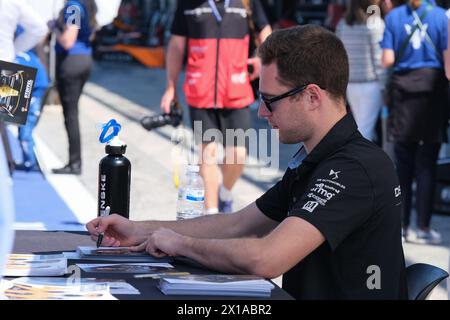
point(210, 173)
point(233, 165)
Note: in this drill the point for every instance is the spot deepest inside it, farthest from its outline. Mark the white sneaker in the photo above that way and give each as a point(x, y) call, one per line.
point(428, 237)
point(408, 235)
point(405, 233)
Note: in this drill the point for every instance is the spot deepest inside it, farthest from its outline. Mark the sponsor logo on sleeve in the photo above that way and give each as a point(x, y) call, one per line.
point(310, 206)
point(324, 190)
point(334, 174)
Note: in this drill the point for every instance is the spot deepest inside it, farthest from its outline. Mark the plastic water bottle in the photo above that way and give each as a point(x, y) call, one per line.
point(191, 195)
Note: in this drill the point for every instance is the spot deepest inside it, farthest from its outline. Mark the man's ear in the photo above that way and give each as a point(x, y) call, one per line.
point(314, 96)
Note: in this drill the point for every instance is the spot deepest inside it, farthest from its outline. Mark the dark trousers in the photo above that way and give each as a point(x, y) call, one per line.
point(72, 73)
point(415, 160)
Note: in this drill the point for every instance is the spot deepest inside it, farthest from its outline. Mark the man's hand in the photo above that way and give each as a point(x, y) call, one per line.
point(118, 231)
point(256, 66)
point(166, 100)
point(163, 242)
point(52, 25)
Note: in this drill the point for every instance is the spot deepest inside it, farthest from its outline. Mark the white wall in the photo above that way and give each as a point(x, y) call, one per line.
point(107, 9)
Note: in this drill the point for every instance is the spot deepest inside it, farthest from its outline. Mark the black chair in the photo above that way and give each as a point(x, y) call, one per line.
point(422, 279)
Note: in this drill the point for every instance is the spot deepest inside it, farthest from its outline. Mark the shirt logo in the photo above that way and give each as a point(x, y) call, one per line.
point(239, 78)
point(334, 174)
point(310, 206)
point(419, 34)
point(397, 192)
point(320, 189)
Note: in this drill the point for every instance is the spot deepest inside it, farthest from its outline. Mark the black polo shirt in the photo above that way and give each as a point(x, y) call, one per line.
point(348, 189)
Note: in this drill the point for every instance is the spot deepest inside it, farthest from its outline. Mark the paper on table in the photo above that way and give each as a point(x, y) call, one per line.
point(159, 275)
point(116, 286)
point(71, 255)
point(4, 284)
point(117, 254)
point(33, 257)
point(126, 267)
point(55, 289)
point(35, 265)
point(216, 284)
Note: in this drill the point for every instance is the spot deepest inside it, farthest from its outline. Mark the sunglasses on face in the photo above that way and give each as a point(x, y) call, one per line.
point(268, 101)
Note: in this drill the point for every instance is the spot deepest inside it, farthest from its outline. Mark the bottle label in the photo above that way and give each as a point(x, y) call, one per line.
point(195, 195)
point(102, 193)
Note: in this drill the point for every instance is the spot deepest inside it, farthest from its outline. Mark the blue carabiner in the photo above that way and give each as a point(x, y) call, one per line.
point(111, 124)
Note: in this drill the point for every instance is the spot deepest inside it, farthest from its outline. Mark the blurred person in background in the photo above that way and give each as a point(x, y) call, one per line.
point(217, 85)
point(386, 6)
point(414, 41)
point(12, 14)
point(335, 12)
point(73, 68)
point(361, 35)
point(41, 84)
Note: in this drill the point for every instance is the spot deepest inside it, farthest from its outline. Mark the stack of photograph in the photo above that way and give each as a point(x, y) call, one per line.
point(216, 285)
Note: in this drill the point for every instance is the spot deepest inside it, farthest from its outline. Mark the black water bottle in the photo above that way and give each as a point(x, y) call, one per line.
point(114, 177)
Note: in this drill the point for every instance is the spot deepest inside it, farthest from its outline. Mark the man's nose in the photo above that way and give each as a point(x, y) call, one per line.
point(263, 112)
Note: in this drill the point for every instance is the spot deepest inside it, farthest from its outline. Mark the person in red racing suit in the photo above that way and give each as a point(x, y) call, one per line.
point(216, 37)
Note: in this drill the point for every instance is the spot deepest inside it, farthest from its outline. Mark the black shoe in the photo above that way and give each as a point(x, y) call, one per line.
point(68, 169)
point(27, 168)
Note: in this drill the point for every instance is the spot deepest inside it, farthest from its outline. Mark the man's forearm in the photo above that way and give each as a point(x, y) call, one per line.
point(269, 256)
point(264, 33)
point(174, 63)
point(240, 256)
point(246, 223)
point(220, 226)
point(388, 58)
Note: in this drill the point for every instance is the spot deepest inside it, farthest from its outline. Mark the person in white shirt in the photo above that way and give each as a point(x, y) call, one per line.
point(361, 36)
point(12, 14)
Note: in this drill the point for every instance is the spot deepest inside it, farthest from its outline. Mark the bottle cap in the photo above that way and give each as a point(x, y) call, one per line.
point(109, 149)
point(116, 142)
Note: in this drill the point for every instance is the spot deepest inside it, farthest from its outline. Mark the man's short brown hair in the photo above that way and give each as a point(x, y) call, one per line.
point(308, 54)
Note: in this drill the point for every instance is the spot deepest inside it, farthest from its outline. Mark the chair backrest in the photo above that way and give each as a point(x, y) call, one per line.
point(422, 279)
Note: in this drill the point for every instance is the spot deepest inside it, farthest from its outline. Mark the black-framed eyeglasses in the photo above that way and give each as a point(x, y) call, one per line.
point(269, 101)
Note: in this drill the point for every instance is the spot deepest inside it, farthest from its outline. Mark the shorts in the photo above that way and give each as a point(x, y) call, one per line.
point(220, 125)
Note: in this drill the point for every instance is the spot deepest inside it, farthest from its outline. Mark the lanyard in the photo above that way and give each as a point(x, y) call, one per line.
point(427, 36)
point(405, 43)
point(215, 11)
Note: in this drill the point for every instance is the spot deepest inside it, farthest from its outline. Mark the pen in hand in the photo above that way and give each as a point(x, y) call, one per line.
point(105, 213)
